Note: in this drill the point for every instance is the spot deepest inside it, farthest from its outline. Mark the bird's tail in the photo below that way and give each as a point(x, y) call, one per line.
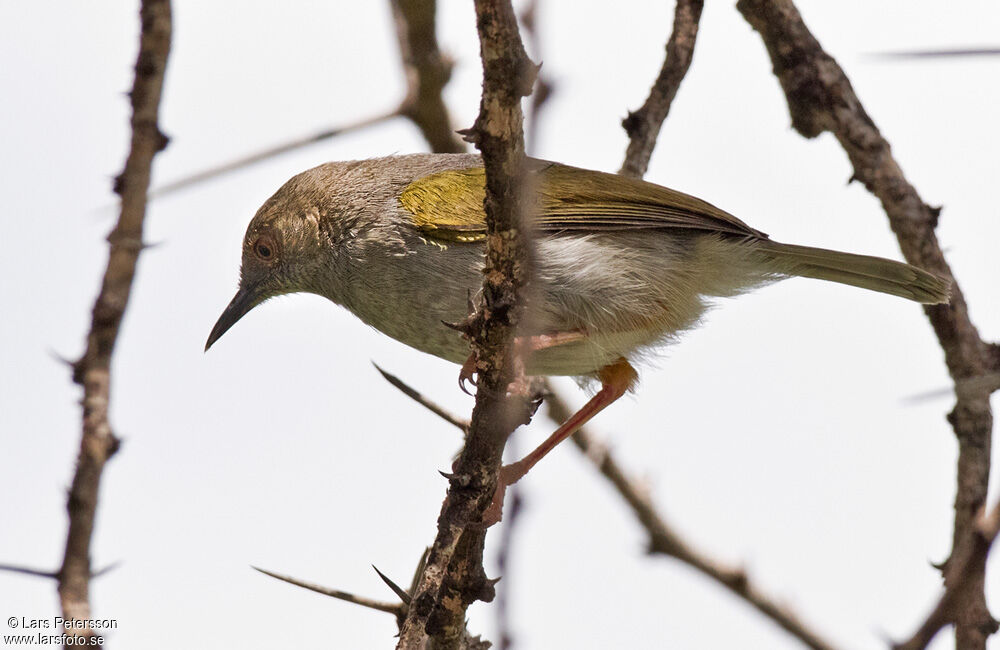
point(865, 271)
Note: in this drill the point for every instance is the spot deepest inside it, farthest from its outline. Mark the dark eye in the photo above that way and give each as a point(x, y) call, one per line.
point(263, 249)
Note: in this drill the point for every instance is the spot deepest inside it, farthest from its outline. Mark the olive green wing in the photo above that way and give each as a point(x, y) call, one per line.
point(449, 205)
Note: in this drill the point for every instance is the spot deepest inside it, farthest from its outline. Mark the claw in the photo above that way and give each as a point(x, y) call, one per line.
point(466, 374)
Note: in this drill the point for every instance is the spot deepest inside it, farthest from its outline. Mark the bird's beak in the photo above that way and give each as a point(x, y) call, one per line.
point(244, 300)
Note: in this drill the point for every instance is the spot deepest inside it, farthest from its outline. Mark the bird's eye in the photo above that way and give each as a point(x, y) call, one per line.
point(263, 249)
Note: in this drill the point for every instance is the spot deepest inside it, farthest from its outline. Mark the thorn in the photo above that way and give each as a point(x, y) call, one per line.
point(458, 327)
point(470, 135)
point(461, 480)
point(38, 573)
point(423, 401)
point(419, 570)
point(487, 589)
point(396, 589)
point(108, 569)
point(395, 609)
point(631, 123)
point(935, 211)
point(63, 360)
point(162, 140)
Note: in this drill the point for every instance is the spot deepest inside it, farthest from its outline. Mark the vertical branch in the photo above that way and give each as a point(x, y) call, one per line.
point(427, 73)
point(820, 98)
point(93, 371)
point(643, 125)
point(453, 577)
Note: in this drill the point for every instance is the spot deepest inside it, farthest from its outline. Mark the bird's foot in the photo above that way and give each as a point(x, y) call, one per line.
point(466, 374)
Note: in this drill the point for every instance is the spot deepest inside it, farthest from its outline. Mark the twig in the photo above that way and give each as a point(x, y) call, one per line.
point(427, 73)
point(419, 398)
point(820, 98)
point(396, 609)
point(935, 54)
point(41, 573)
point(544, 86)
point(454, 577)
point(93, 371)
point(643, 126)
point(664, 540)
point(967, 562)
point(269, 152)
point(28, 571)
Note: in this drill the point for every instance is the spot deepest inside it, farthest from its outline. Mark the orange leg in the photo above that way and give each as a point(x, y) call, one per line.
point(616, 379)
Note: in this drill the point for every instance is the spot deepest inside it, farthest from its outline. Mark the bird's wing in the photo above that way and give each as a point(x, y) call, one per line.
point(448, 205)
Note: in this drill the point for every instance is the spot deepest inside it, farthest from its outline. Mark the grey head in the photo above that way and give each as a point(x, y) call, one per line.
point(289, 244)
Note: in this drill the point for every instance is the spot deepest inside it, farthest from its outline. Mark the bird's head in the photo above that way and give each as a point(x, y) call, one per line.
point(283, 249)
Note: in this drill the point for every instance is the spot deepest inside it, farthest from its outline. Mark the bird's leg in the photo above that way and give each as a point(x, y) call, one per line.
point(616, 379)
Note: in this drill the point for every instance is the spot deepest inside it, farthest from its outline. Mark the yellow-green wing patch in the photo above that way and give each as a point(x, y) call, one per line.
point(448, 205)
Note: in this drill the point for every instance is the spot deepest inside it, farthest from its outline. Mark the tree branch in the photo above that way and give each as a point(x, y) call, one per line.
point(820, 98)
point(93, 371)
point(424, 401)
point(664, 540)
point(427, 73)
point(453, 577)
point(967, 562)
point(643, 125)
point(396, 609)
point(269, 152)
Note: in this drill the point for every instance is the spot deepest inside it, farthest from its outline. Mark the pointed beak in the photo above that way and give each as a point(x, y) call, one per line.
point(244, 300)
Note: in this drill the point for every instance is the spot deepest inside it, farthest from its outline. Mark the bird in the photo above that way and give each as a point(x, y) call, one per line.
point(621, 266)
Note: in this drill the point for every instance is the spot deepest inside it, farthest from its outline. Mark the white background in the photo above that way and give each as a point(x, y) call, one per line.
point(779, 436)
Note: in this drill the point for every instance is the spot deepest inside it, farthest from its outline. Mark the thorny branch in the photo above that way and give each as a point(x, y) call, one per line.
point(643, 125)
point(967, 561)
point(453, 577)
point(820, 98)
point(664, 540)
point(93, 371)
point(427, 73)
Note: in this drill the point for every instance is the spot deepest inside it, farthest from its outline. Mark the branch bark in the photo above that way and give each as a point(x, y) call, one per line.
point(93, 371)
point(453, 577)
point(643, 125)
point(664, 540)
point(967, 562)
point(820, 98)
point(427, 73)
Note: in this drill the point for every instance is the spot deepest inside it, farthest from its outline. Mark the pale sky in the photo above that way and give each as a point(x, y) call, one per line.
point(780, 436)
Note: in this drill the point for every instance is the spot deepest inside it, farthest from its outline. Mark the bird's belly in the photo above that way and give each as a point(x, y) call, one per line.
point(620, 312)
